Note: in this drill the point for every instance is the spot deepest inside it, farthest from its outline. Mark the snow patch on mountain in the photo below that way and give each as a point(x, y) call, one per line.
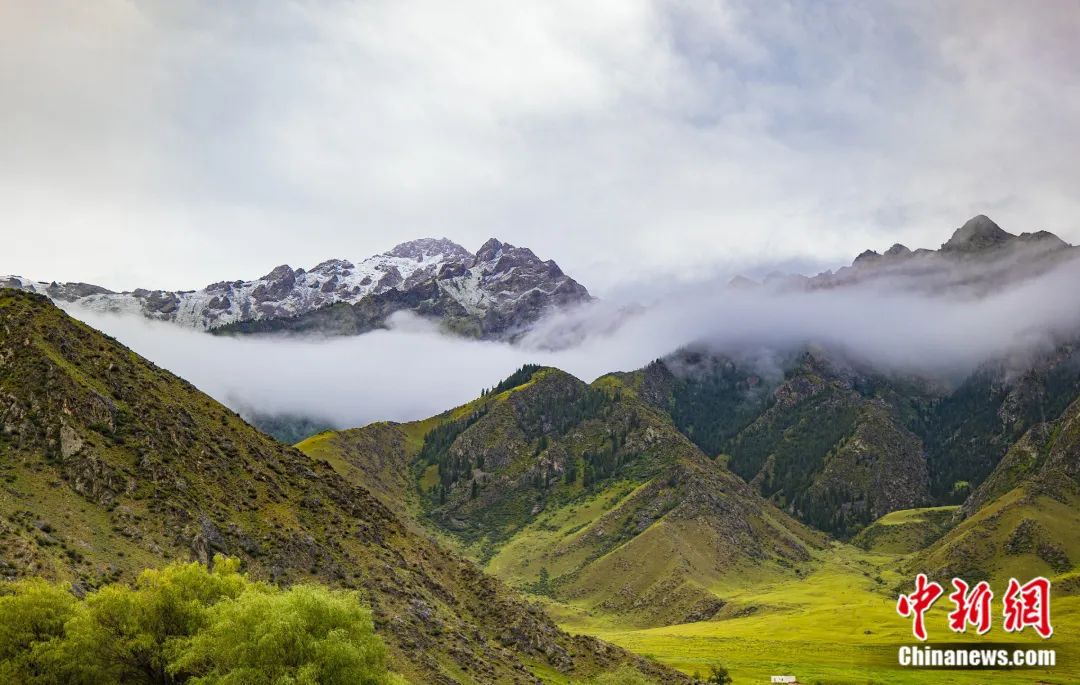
point(508, 287)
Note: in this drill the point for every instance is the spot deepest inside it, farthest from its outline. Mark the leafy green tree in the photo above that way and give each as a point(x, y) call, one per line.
point(305, 635)
point(128, 634)
point(32, 615)
point(188, 624)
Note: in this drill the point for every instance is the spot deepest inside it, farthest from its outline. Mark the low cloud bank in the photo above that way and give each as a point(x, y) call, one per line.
point(928, 334)
point(413, 371)
point(402, 374)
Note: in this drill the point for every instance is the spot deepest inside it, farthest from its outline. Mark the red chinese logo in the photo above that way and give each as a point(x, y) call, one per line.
point(1026, 605)
point(971, 607)
point(918, 603)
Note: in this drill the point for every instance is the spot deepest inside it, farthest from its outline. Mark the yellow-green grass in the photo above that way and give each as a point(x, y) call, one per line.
point(907, 516)
point(320, 446)
point(519, 561)
point(983, 540)
point(905, 531)
point(836, 625)
point(591, 587)
point(69, 526)
point(416, 431)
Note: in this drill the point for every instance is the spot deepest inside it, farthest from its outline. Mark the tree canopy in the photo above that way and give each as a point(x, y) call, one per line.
point(186, 623)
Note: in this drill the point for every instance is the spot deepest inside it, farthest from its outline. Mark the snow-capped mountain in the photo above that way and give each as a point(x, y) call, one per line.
point(496, 293)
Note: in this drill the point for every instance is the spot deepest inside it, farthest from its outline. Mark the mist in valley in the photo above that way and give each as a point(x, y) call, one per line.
point(412, 370)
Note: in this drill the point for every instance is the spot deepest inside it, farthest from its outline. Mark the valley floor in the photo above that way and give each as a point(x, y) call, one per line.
point(836, 625)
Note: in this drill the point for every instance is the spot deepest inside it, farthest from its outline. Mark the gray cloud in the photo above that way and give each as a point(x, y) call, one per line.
point(170, 145)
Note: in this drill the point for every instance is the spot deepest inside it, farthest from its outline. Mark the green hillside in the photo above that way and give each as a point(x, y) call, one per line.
point(906, 531)
point(838, 443)
point(581, 493)
point(111, 465)
point(589, 497)
point(968, 431)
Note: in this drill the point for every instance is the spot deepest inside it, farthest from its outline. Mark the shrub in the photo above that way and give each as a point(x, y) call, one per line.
point(188, 624)
point(307, 634)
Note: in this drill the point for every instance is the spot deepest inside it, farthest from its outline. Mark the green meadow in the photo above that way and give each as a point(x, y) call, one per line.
point(837, 625)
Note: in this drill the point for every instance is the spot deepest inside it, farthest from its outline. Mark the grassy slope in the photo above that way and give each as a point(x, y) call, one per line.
point(384, 474)
point(813, 624)
point(653, 543)
point(905, 531)
point(839, 625)
point(1019, 534)
point(109, 464)
point(1023, 520)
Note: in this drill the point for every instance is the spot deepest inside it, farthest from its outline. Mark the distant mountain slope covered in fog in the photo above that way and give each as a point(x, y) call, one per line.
point(980, 257)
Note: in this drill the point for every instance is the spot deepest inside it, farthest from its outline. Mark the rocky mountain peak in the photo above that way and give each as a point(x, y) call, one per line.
point(490, 250)
point(279, 273)
point(425, 248)
point(331, 266)
point(978, 233)
point(866, 257)
point(1043, 238)
point(898, 250)
point(502, 257)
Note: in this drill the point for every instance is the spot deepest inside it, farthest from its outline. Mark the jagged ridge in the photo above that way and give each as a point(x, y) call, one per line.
point(980, 257)
point(496, 293)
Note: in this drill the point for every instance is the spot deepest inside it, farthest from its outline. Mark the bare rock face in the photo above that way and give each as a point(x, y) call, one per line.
point(498, 293)
point(70, 442)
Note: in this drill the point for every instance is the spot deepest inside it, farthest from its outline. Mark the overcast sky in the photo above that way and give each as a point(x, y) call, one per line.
point(174, 144)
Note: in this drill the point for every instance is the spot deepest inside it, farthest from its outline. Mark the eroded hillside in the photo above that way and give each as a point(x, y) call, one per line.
point(110, 464)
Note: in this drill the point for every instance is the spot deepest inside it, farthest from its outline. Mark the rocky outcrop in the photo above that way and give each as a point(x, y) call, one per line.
point(878, 469)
